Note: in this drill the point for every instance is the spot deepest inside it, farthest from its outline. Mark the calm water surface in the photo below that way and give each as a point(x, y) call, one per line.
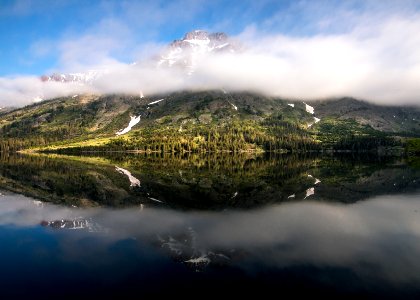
point(209, 225)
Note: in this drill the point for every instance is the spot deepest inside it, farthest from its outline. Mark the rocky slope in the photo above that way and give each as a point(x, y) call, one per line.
point(392, 119)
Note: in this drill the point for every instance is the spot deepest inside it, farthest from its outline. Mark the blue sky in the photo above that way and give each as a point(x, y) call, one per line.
point(34, 34)
point(29, 26)
point(300, 49)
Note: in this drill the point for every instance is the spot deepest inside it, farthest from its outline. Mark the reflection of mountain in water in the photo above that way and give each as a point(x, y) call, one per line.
point(203, 182)
point(74, 224)
point(184, 248)
point(333, 247)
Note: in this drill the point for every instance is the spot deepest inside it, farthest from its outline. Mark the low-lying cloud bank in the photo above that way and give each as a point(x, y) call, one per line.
point(378, 63)
point(19, 91)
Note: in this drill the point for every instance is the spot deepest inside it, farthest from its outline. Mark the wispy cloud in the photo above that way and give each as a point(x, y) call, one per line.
point(19, 91)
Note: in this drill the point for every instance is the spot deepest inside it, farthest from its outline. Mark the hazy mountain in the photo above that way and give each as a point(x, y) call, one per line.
point(182, 53)
point(82, 77)
point(384, 118)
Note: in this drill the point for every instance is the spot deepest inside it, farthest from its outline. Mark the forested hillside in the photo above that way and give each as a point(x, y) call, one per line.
point(208, 121)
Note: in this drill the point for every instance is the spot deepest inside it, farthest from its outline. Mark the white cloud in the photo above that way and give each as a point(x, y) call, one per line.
point(20, 91)
point(380, 64)
point(377, 61)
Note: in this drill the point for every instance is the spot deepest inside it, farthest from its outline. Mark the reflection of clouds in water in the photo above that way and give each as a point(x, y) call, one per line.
point(375, 238)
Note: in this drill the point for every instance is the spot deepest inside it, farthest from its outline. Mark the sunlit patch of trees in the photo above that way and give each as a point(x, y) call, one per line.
point(234, 136)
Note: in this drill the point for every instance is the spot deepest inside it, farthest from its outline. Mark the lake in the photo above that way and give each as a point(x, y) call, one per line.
point(209, 225)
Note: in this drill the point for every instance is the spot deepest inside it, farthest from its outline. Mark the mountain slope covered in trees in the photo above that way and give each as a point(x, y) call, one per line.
point(207, 121)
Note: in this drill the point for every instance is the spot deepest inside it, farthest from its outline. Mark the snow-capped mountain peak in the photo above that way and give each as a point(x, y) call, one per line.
point(184, 53)
point(195, 44)
point(80, 77)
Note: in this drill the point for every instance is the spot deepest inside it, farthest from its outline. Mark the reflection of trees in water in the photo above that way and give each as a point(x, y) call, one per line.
point(194, 181)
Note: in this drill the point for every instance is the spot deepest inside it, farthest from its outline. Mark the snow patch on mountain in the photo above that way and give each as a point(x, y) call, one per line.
point(316, 120)
point(309, 108)
point(157, 101)
point(201, 43)
point(222, 46)
point(233, 105)
point(133, 121)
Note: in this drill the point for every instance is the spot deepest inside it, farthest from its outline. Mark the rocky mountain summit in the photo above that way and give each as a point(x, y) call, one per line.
point(195, 44)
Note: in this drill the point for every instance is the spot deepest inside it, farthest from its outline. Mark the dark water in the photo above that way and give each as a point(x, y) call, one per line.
point(103, 227)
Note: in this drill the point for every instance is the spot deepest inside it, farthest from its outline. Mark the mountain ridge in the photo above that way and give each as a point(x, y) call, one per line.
point(198, 121)
point(381, 117)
